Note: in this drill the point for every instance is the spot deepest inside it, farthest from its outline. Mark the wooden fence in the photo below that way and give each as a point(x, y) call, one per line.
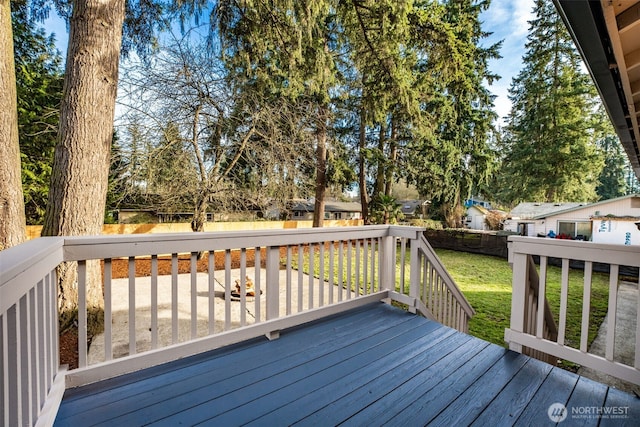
point(34, 231)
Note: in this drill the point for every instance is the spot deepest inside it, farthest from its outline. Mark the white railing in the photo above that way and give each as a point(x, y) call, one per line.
point(531, 325)
point(31, 381)
point(153, 318)
point(431, 290)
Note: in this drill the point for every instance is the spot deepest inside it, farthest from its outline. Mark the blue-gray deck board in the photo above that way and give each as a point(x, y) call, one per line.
point(370, 366)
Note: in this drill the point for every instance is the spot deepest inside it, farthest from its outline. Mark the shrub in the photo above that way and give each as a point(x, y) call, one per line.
point(427, 223)
point(494, 220)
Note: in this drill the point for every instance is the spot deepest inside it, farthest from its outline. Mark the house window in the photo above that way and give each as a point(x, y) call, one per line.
point(575, 229)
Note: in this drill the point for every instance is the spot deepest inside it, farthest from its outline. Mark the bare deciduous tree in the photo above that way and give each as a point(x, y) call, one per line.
point(207, 145)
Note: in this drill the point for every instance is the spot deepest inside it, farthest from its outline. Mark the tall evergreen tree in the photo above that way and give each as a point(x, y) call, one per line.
point(377, 36)
point(611, 182)
point(39, 88)
point(416, 76)
point(79, 175)
point(172, 171)
point(117, 179)
point(455, 156)
point(549, 144)
point(633, 184)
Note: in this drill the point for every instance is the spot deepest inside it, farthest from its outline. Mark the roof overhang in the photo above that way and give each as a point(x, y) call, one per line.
point(607, 34)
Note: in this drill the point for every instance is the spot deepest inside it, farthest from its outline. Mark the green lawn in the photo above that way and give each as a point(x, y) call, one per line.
point(486, 283)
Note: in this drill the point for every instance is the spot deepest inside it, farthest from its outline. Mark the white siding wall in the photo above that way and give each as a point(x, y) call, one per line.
point(533, 227)
point(477, 222)
point(538, 228)
point(477, 219)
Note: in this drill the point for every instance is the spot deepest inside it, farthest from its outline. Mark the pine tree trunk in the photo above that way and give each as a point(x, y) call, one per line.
point(393, 157)
point(12, 217)
point(380, 175)
point(79, 177)
point(321, 168)
point(362, 174)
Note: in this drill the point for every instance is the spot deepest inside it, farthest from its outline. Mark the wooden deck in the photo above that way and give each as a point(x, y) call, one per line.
point(370, 366)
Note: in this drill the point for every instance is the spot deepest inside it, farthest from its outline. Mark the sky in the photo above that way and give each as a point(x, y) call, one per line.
point(506, 19)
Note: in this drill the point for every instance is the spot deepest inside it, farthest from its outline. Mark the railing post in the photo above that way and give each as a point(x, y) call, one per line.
point(273, 286)
point(82, 314)
point(387, 263)
point(518, 296)
point(414, 272)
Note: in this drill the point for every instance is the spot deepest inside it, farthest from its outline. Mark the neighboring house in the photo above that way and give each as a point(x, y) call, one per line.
point(476, 216)
point(414, 208)
point(607, 221)
point(530, 218)
point(127, 216)
point(179, 216)
point(303, 210)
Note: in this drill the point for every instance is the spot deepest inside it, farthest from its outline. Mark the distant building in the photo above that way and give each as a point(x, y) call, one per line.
point(608, 221)
point(530, 218)
point(414, 208)
point(137, 216)
point(476, 216)
point(303, 210)
point(127, 216)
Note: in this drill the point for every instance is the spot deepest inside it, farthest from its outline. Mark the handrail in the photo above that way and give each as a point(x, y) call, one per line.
point(527, 327)
point(330, 246)
point(444, 273)
point(432, 292)
point(120, 246)
point(25, 264)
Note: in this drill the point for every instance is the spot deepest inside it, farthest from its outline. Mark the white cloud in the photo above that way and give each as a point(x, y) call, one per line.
point(522, 12)
point(498, 12)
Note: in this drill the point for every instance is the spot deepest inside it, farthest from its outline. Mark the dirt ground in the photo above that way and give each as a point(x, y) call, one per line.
point(120, 269)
